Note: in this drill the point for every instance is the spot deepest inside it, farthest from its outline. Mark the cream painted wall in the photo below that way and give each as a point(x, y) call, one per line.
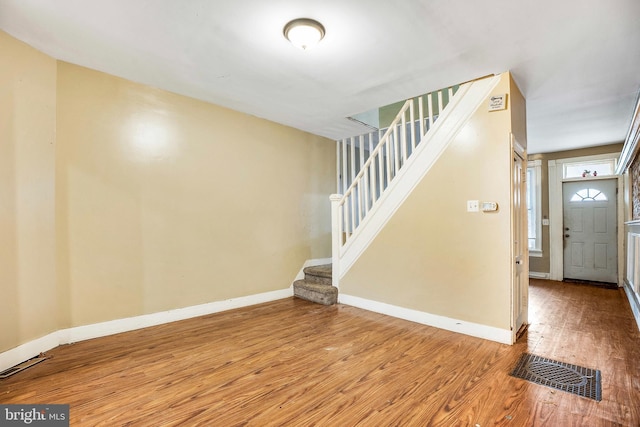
point(434, 256)
point(168, 202)
point(518, 108)
point(120, 200)
point(28, 306)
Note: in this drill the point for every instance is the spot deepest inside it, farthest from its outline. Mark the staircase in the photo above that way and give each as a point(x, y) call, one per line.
point(376, 172)
point(316, 285)
point(373, 188)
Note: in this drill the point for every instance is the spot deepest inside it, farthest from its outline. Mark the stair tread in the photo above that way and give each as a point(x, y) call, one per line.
point(319, 270)
point(320, 293)
point(318, 287)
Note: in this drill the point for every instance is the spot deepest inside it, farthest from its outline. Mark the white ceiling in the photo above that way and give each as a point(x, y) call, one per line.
point(576, 61)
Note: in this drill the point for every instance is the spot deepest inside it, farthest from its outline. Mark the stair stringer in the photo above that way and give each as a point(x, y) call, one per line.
point(434, 143)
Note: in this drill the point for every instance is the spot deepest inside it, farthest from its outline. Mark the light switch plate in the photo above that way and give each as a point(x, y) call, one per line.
point(473, 206)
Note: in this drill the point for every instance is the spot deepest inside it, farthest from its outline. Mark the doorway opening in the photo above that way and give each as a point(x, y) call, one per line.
point(576, 201)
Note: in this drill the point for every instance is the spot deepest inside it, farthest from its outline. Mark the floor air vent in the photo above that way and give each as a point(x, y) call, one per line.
point(22, 366)
point(574, 379)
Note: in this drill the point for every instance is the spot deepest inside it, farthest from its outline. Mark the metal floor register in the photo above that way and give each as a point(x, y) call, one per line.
point(574, 379)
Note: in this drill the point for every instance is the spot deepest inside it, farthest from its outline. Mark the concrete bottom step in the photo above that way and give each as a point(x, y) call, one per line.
point(315, 292)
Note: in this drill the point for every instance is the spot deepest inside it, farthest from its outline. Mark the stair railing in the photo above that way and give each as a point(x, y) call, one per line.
point(383, 163)
point(352, 153)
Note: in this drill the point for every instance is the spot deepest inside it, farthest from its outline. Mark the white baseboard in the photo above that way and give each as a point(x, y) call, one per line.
point(66, 336)
point(28, 350)
point(633, 301)
point(454, 325)
point(536, 275)
point(102, 329)
point(311, 263)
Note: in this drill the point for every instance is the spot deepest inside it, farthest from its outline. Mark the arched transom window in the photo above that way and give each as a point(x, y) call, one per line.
point(589, 195)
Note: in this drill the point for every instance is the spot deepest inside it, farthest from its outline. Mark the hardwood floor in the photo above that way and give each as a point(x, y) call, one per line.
point(294, 363)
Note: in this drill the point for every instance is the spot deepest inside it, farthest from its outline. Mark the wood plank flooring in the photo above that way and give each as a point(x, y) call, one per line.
point(293, 363)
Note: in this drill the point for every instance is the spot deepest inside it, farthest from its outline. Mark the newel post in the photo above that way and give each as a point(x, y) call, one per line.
point(335, 237)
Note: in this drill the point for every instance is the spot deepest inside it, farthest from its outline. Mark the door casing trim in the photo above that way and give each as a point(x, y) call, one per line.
point(518, 150)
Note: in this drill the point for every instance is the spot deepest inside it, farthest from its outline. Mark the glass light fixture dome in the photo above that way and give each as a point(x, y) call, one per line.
point(304, 33)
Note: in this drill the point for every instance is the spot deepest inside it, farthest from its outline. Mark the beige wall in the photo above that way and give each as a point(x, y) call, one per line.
point(28, 305)
point(434, 256)
point(121, 200)
point(542, 264)
point(169, 202)
point(518, 107)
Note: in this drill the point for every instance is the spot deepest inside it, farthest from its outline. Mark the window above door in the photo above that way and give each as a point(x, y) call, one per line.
point(590, 168)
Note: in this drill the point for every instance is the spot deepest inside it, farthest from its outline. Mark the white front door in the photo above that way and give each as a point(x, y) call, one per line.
point(590, 230)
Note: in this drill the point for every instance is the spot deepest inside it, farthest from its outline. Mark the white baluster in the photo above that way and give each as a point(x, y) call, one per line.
point(387, 174)
point(381, 171)
point(352, 201)
point(430, 108)
point(370, 144)
point(345, 215)
point(358, 189)
point(403, 137)
point(361, 142)
point(365, 188)
point(353, 160)
point(413, 127)
point(372, 172)
point(338, 168)
point(421, 114)
point(336, 236)
point(344, 167)
point(361, 196)
point(396, 151)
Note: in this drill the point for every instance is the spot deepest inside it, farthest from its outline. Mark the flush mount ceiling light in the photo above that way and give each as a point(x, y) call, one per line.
point(304, 33)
